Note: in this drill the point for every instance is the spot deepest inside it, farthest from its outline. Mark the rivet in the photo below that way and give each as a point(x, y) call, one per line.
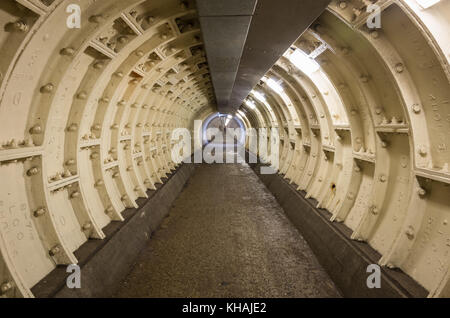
point(20, 26)
point(47, 88)
point(39, 212)
point(422, 151)
point(122, 39)
point(116, 175)
point(68, 51)
point(319, 28)
point(139, 53)
point(345, 50)
point(410, 232)
point(75, 195)
point(97, 18)
point(96, 127)
point(374, 210)
point(70, 162)
point(124, 197)
point(382, 178)
point(36, 130)
point(109, 210)
point(55, 250)
point(82, 95)
point(384, 144)
point(357, 169)
point(374, 34)
point(399, 68)
point(364, 79)
point(72, 128)
point(416, 108)
point(95, 155)
point(33, 171)
point(98, 65)
point(6, 287)
point(118, 74)
point(421, 192)
point(99, 183)
point(183, 5)
point(378, 110)
point(87, 226)
point(343, 5)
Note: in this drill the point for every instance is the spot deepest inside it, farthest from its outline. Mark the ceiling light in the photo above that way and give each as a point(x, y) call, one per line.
point(425, 4)
point(304, 62)
point(259, 96)
point(274, 85)
point(250, 104)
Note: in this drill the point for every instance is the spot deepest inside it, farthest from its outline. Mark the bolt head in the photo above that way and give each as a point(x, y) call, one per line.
point(421, 192)
point(47, 88)
point(6, 287)
point(55, 250)
point(39, 212)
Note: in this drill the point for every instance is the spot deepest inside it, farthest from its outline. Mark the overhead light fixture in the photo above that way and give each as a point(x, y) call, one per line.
point(425, 4)
point(274, 85)
point(303, 62)
point(250, 104)
point(259, 96)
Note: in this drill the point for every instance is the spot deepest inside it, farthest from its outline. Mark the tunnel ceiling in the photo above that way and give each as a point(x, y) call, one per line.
point(225, 25)
point(238, 60)
point(86, 117)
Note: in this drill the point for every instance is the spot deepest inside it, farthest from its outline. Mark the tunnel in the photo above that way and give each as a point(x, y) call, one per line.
point(212, 148)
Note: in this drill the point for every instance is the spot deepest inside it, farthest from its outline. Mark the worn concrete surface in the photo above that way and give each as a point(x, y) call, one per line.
point(226, 236)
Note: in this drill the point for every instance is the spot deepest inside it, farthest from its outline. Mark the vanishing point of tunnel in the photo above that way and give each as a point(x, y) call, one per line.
point(224, 148)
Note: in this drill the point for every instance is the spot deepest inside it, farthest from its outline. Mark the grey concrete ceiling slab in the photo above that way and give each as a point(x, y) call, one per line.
point(225, 24)
point(226, 7)
point(275, 26)
point(244, 39)
point(224, 42)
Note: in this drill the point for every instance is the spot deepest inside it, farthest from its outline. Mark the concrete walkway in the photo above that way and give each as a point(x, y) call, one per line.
point(226, 236)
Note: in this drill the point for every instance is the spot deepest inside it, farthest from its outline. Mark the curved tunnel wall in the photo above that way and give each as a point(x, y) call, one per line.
point(367, 134)
point(86, 117)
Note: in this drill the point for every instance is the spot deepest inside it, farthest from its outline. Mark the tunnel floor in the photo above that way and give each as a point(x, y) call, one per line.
point(226, 236)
